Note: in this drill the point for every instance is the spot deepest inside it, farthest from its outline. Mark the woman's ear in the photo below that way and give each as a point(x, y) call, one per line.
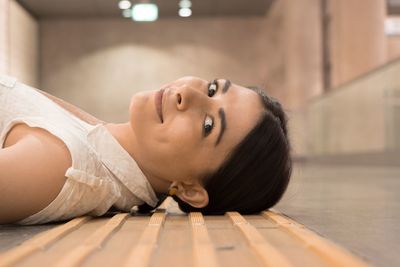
point(192, 193)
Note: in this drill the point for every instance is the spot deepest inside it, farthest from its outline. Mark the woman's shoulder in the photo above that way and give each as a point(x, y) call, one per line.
point(34, 162)
point(51, 143)
point(15, 134)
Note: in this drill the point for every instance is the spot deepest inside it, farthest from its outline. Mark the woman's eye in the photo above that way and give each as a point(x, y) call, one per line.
point(212, 88)
point(208, 125)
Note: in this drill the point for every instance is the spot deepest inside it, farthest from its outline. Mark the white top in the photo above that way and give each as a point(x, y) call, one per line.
point(102, 172)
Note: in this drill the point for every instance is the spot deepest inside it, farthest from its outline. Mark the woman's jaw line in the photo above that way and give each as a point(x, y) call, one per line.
point(159, 185)
point(124, 134)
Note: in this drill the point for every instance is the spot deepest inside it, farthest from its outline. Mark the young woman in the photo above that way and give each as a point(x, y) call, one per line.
point(213, 146)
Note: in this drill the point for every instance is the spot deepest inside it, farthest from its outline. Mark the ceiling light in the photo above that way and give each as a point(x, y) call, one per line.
point(124, 4)
point(185, 12)
point(145, 12)
point(185, 4)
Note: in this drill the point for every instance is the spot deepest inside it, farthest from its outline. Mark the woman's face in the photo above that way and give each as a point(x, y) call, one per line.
point(200, 125)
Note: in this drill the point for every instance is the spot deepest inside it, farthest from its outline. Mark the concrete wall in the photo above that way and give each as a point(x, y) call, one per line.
point(19, 43)
point(4, 36)
point(393, 47)
point(360, 112)
point(23, 45)
point(98, 64)
point(302, 44)
point(293, 51)
point(360, 116)
point(357, 39)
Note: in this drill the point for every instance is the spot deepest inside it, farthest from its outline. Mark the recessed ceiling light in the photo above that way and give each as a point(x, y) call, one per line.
point(185, 12)
point(145, 12)
point(124, 4)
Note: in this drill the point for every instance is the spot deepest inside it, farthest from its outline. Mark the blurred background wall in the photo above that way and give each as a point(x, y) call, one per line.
point(19, 42)
point(332, 63)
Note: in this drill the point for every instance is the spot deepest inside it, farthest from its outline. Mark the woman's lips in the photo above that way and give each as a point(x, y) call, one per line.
point(158, 102)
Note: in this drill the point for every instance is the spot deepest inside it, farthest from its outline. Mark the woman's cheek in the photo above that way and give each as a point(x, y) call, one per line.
point(183, 133)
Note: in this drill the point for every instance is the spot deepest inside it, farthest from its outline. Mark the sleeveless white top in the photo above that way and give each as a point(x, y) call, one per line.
point(102, 174)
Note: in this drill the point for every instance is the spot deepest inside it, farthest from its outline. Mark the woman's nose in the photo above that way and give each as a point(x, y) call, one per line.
point(190, 97)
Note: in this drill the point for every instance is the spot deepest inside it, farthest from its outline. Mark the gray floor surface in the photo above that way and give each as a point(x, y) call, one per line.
point(357, 207)
point(12, 235)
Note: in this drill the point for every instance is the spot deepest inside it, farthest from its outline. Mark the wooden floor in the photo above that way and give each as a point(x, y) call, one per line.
point(172, 238)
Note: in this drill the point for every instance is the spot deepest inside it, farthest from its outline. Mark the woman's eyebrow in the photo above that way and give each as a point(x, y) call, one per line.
point(227, 85)
point(221, 114)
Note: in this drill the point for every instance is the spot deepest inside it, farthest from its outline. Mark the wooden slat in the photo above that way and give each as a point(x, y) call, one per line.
point(92, 243)
point(333, 254)
point(203, 249)
point(268, 254)
point(140, 255)
point(40, 242)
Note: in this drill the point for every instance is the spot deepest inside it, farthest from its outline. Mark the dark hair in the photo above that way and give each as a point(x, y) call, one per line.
point(255, 174)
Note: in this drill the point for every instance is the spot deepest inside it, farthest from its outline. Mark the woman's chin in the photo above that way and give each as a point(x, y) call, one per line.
point(142, 112)
point(138, 101)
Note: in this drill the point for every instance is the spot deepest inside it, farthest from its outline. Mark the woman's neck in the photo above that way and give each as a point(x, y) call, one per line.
point(123, 133)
